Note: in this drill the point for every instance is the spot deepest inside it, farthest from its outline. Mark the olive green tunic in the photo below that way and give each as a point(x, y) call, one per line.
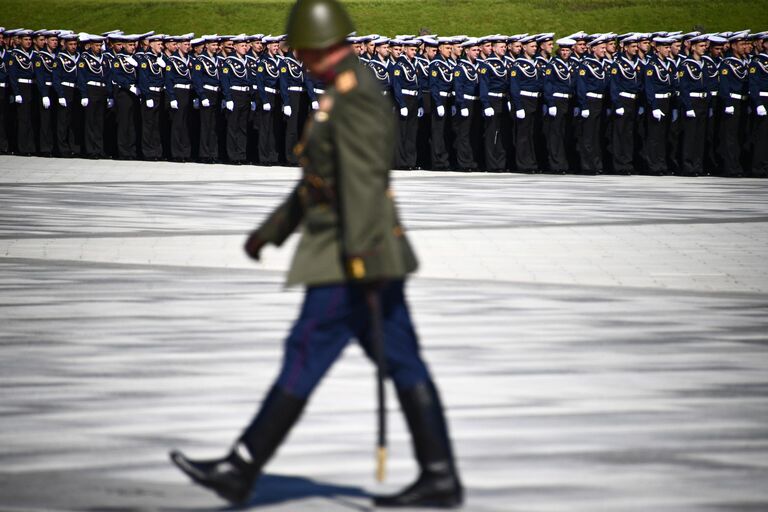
point(349, 224)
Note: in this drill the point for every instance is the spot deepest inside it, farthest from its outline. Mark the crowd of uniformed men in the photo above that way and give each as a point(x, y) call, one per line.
point(660, 103)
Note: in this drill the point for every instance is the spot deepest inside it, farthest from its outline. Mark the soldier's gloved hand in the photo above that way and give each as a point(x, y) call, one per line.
point(761, 110)
point(690, 113)
point(18, 99)
point(253, 106)
point(657, 114)
point(134, 90)
point(84, 102)
point(576, 111)
point(730, 110)
point(509, 106)
point(131, 61)
point(175, 104)
point(229, 105)
point(420, 112)
point(196, 103)
point(552, 111)
point(205, 102)
point(464, 112)
point(640, 111)
point(266, 107)
point(619, 111)
point(440, 111)
point(287, 111)
point(453, 110)
point(711, 112)
point(520, 113)
point(160, 61)
point(253, 246)
point(110, 103)
point(488, 112)
point(404, 112)
point(46, 102)
point(675, 114)
point(63, 102)
point(585, 113)
point(315, 105)
point(150, 103)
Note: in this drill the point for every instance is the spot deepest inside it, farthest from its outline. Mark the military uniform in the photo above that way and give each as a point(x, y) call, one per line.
point(468, 121)
point(694, 105)
point(712, 79)
point(21, 76)
point(659, 89)
point(734, 98)
point(494, 84)
point(43, 61)
point(591, 88)
point(237, 92)
point(405, 92)
point(758, 94)
point(557, 91)
point(151, 83)
point(126, 93)
point(293, 92)
point(207, 81)
point(4, 100)
point(424, 128)
point(625, 85)
point(95, 88)
point(178, 83)
point(441, 87)
point(270, 120)
point(525, 87)
point(68, 110)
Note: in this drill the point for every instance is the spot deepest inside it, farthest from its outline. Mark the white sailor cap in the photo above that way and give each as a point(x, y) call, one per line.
point(412, 42)
point(381, 40)
point(630, 38)
point(271, 39)
point(240, 38)
point(738, 36)
point(579, 36)
point(471, 41)
point(598, 39)
point(691, 35)
point(515, 38)
point(2, 30)
point(91, 38)
point(197, 41)
point(146, 35)
point(24, 32)
point(698, 39)
point(68, 37)
point(544, 37)
point(717, 39)
point(445, 40)
point(257, 37)
point(156, 37)
point(663, 41)
point(430, 41)
point(405, 36)
point(528, 39)
point(566, 42)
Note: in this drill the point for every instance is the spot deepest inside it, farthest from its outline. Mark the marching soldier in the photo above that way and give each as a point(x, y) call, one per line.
point(405, 91)
point(424, 129)
point(733, 94)
point(43, 60)
point(625, 86)
point(380, 63)
point(591, 87)
point(151, 83)
point(545, 44)
point(557, 91)
point(252, 60)
point(441, 86)
point(758, 94)
point(21, 76)
point(207, 84)
point(659, 88)
point(494, 84)
point(712, 60)
point(269, 85)
point(467, 123)
point(126, 94)
point(694, 105)
point(236, 89)
point(178, 83)
point(293, 92)
point(525, 87)
point(95, 87)
point(64, 79)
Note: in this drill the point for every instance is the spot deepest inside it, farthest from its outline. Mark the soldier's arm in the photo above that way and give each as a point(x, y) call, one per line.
point(613, 86)
point(514, 90)
point(13, 76)
point(37, 65)
point(650, 90)
point(547, 88)
point(458, 84)
point(581, 92)
point(169, 92)
point(484, 87)
point(283, 220)
point(81, 80)
point(282, 81)
point(195, 74)
point(56, 79)
point(260, 84)
point(310, 86)
point(397, 88)
point(755, 81)
point(434, 87)
point(684, 86)
point(226, 83)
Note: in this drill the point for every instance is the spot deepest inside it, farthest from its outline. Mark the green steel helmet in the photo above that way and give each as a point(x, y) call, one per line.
point(317, 24)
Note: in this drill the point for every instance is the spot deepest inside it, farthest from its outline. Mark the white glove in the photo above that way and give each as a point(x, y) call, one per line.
point(640, 111)
point(287, 111)
point(160, 61)
point(576, 111)
point(253, 106)
point(657, 114)
point(488, 112)
point(131, 61)
point(520, 113)
point(229, 105)
point(18, 99)
point(315, 105)
point(150, 103)
point(690, 113)
point(761, 110)
point(196, 103)
point(266, 107)
point(710, 112)
point(404, 112)
point(730, 110)
point(453, 110)
point(46, 102)
point(110, 103)
point(175, 104)
point(134, 90)
point(552, 111)
point(619, 111)
point(84, 102)
point(464, 112)
point(63, 102)
point(205, 102)
point(675, 114)
point(585, 113)
point(440, 111)
point(420, 112)
point(509, 106)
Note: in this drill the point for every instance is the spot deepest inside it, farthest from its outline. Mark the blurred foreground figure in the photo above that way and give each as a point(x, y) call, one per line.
point(352, 249)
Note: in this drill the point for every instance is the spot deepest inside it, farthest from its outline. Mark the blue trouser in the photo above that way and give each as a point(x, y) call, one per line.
point(330, 317)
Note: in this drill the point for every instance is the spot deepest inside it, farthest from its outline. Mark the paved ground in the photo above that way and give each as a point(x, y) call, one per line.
point(601, 342)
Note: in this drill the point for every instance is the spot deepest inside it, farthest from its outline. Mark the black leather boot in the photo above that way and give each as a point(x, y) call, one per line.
point(233, 476)
point(438, 484)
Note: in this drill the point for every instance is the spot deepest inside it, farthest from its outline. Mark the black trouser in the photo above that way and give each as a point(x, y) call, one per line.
point(424, 133)
point(673, 141)
point(299, 102)
point(495, 153)
point(25, 131)
point(45, 121)
point(151, 139)
point(4, 111)
point(237, 126)
point(657, 134)
point(710, 153)
point(406, 153)
point(590, 138)
point(468, 130)
point(525, 136)
point(760, 146)
point(693, 139)
point(127, 105)
point(268, 122)
point(732, 133)
point(441, 160)
point(67, 121)
point(93, 121)
point(623, 135)
point(555, 133)
point(179, 117)
point(209, 125)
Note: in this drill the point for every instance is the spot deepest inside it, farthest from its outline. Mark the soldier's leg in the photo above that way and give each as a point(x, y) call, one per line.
point(45, 132)
point(4, 148)
point(656, 139)
point(25, 137)
point(126, 129)
point(730, 145)
point(465, 159)
point(525, 138)
point(292, 128)
point(440, 157)
point(760, 148)
point(554, 129)
point(151, 141)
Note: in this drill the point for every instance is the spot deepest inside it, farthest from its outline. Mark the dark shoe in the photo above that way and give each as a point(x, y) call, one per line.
point(438, 484)
point(231, 478)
